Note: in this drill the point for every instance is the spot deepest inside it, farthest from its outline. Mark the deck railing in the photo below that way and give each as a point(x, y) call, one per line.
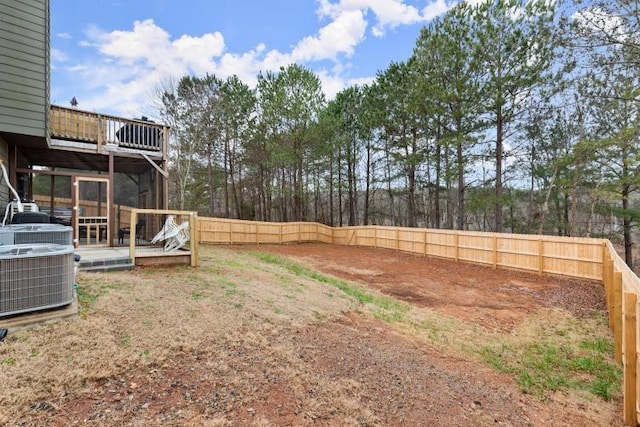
point(71, 124)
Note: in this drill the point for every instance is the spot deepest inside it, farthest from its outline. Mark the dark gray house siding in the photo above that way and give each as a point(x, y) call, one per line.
point(24, 67)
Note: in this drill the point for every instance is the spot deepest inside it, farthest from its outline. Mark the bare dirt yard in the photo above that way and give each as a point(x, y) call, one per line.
point(315, 334)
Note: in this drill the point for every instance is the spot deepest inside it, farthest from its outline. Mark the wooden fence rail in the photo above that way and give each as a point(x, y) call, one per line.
point(572, 257)
point(583, 258)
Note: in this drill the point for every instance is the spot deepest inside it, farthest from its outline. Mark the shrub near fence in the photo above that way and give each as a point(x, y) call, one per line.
point(582, 258)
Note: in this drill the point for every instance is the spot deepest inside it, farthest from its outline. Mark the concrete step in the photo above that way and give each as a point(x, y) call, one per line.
point(104, 265)
point(107, 268)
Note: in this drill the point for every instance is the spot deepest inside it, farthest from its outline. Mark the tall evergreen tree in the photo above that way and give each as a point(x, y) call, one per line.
point(514, 40)
point(289, 102)
point(401, 128)
point(237, 111)
point(451, 73)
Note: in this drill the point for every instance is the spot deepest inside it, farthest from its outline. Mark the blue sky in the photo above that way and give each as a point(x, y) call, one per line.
point(111, 55)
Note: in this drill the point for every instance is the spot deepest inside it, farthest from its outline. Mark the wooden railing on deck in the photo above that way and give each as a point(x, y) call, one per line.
point(71, 124)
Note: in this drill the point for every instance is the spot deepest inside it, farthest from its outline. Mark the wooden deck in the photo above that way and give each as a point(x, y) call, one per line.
point(100, 130)
point(91, 257)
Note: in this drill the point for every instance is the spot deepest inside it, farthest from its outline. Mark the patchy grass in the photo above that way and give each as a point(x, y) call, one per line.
point(91, 289)
point(560, 355)
point(385, 308)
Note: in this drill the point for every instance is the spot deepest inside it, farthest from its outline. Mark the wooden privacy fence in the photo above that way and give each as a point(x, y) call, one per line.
point(582, 258)
point(572, 257)
point(621, 287)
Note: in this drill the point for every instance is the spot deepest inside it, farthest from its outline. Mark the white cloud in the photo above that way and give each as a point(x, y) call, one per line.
point(153, 46)
point(476, 2)
point(124, 66)
point(58, 56)
point(246, 65)
point(133, 62)
point(65, 36)
point(389, 14)
point(342, 35)
point(435, 9)
point(198, 53)
point(596, 21)
point(332, 83)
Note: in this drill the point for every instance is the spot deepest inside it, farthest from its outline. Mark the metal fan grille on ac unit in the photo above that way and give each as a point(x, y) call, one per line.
point(35, 277)
point(18, 234)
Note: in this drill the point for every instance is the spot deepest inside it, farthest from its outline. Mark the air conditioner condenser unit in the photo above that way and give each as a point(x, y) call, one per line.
point(35, 277)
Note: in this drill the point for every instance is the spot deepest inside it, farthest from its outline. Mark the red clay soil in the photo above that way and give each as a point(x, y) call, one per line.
point(494, 298)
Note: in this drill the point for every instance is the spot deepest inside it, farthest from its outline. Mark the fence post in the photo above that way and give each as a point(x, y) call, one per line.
point(495, 250)
point(199, 230)
point(397, 239)
point(100, 140)
point(540, 257)
point(635, 352)
point(617, 315)
point(605, 276)
point(256, 229)
point(194, 237)
point(607, 279)
point(132, 236)
point(630, 357)
point(280, 234)
point(604, 263)
point(456, 245)
point(375, 236)
point(425, 242)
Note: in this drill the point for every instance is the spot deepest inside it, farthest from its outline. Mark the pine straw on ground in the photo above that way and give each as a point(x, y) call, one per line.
point(239, 341)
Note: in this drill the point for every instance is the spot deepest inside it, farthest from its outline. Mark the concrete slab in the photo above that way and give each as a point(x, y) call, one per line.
point(29, 320)
point(91, 254)
point(95, 258)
